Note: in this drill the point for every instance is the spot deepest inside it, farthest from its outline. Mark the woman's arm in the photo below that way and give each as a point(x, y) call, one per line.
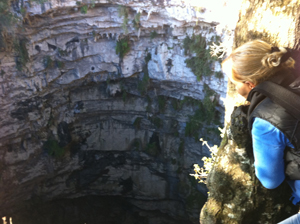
point(268, 147)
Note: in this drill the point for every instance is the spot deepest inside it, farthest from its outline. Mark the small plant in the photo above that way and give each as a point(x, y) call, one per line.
point(206, 113)
point(188, 45)
point(144, 83)
point(196, 121)
point(53, 148)
point(169, 64)
point(195, 124)
point(123, 12)
point(62, 52)
point(153, 34)
point(84, 9)
point(148, 57)
point(201, 173)
point(210, 104)
point(21, 50)
point(219, 75)
point(51, 64)
point(137, 17)
point(8, 20)
point(208, 90)
point(2, 73)
point(92, 3)
point(136, 21)
point(200, 65)
point(123, 46)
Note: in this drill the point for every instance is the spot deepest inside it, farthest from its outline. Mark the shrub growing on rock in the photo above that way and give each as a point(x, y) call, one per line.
point(123, 12)
point(53, 148)
point(199, 64)
point(84, 9)
point(153, 34)
point(136, 21)
point(123, 46)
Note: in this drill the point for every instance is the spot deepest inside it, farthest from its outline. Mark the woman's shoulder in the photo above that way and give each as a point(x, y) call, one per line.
point(275, 115)
point(268, 131)
point(263, 125)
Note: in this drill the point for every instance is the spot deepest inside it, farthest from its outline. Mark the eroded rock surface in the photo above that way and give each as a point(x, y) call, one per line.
point(77, 121)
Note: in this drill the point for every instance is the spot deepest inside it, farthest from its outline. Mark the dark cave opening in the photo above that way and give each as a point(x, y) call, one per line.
point(91, 210)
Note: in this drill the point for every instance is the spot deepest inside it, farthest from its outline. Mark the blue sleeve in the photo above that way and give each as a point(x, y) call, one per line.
point(268, 147)
point(295, 185)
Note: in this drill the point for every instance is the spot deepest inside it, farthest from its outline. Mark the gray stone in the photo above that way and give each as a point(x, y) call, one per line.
point(78, 121)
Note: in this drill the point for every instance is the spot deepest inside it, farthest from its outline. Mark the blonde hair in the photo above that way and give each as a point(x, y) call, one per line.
point(255, 62)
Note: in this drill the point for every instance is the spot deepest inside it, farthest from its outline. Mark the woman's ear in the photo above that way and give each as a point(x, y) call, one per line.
point(250, 84)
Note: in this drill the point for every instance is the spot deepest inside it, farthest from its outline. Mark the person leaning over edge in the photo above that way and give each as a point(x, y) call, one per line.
point(251, 64)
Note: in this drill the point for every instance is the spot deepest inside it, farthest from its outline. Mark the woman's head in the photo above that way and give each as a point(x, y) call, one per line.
point(256, 61)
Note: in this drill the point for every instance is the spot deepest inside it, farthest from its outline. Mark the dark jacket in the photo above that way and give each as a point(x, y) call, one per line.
point(264, 108)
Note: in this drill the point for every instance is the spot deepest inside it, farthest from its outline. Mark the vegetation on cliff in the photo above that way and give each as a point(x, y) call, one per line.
point(9, 41)
point(136, 21)
point(205, 115)
point(52, 147)
point(123, 13)
point(123, 46)
point(201, 63)
point(7, 18)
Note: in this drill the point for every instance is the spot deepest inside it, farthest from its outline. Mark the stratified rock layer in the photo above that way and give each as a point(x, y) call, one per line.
point(79, 122)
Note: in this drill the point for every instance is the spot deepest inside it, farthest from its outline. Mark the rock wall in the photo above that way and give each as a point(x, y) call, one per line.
point(236, 195)
point(80, 124)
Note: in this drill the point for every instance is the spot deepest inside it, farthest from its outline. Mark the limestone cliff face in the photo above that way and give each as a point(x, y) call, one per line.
point(80, 125)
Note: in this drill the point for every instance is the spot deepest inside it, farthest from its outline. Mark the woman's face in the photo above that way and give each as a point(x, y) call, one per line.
point(243, 88)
